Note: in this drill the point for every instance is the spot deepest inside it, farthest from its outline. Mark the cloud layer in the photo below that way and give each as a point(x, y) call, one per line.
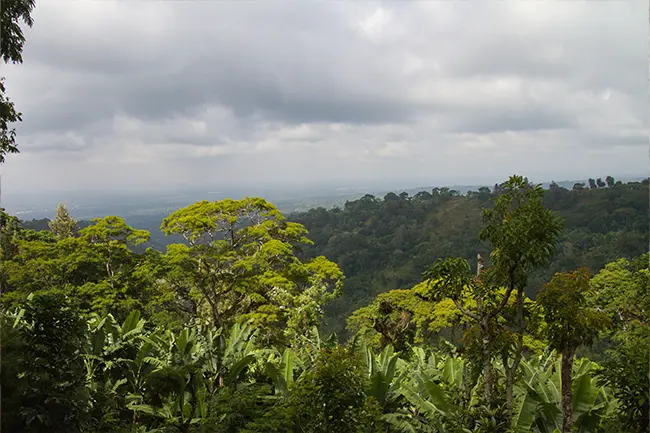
point(143, 94)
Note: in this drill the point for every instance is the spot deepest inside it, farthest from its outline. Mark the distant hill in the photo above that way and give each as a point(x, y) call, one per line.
point(386, 243)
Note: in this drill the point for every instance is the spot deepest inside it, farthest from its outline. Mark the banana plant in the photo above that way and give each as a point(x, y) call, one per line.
point(428, 401)
point(181, 358)
point(539, 406)
point(309, 346)
point(386, 372)
point(120, 359)
point(282, 374)
point(423, 388)
point(226, 357)
point(441, 397)
point(109, 341)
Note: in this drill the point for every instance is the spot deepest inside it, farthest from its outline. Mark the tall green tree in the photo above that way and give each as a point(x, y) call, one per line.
point(63, 225)
point(12, 41)
point(570, 323)
point(523, 234)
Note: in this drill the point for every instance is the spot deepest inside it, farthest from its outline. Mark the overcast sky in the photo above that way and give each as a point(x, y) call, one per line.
point(141, 94)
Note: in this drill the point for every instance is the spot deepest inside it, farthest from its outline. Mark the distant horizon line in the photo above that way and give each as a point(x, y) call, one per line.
point(284, 188)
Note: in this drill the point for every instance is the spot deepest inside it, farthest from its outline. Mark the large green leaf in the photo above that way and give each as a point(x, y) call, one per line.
point(452, 371)
point(524, 413)
point(237, 368)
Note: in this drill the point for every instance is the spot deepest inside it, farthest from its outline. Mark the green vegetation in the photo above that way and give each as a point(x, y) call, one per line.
point(385, 244)
point(12, 41)
point(221, 333)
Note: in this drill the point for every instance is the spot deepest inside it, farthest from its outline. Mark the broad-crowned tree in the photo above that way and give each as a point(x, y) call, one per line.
point(399, 318)
point(242, 253)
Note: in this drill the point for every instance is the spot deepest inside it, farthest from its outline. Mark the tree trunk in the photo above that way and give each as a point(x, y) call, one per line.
point(109, 271)
point(511, 373)
point(484, 325)
point(487, 366)
point(567, 392)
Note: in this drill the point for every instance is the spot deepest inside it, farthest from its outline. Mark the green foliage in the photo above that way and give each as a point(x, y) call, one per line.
point(570, 322)
point(330, 397)
point(78, 355)
point(384, 244)
point(622, 290)
point(12, 40)
point(42, 374)
point(521, 230)
point(63, 225)
point(539, 396)
point(241, 259)
point(400, 318)
point(386, 373)
point(97, 268)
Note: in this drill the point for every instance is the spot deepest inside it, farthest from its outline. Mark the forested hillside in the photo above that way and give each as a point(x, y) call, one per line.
point(386, 243)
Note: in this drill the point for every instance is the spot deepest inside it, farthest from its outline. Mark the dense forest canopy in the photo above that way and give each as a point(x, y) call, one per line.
point(385, 243)
point(220, 332)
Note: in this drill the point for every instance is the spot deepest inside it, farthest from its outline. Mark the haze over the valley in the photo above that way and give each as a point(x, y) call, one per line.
point(133, 96)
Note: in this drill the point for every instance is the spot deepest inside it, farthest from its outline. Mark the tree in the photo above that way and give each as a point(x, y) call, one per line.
point(484, 193)
point(243, 261)
point(488, 307)
point(399, 318)
point(570, 322)
point(610, 181)
point(112, 237)
point(578, 186)
point(451, 278)
point(63, 225)
point(592, 184)
point(600, 183)
point(98, 268)
point(523, 234)
point(12, 40)
point(9, 232)
point(110, 241)
point(621, 290)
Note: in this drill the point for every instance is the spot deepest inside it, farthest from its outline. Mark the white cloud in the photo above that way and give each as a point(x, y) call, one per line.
point(444, 91)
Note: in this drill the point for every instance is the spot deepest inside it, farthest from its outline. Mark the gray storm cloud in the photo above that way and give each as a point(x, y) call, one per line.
point(125, 93)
